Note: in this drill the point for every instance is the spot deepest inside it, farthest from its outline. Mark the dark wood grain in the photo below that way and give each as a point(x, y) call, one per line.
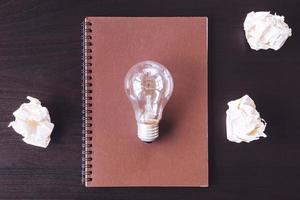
point(40, 56)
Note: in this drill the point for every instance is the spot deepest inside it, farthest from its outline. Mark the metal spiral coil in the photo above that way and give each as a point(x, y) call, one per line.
point(87, 90)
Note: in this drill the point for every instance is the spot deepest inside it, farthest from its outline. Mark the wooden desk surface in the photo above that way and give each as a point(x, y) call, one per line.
point(40, 56)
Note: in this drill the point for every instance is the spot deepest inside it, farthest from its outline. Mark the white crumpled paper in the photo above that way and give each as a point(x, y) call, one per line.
point(32, 121)
point(266, 31)
point(243, 122)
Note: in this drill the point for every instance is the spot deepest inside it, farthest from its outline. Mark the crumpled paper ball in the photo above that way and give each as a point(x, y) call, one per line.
point(266, 31)
point(32, 121)
point(243, 122)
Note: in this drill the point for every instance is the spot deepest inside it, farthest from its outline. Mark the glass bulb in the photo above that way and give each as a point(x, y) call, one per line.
point(149, 86)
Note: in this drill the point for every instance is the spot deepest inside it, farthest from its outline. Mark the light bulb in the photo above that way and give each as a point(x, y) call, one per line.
point(149, 86)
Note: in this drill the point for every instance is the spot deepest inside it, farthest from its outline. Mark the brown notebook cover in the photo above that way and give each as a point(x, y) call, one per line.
point(113, 155)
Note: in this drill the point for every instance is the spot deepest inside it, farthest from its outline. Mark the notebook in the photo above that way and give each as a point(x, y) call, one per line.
point(113, 155)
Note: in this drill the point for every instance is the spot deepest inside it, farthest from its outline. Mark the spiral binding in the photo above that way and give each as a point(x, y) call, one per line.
point(86, 101)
